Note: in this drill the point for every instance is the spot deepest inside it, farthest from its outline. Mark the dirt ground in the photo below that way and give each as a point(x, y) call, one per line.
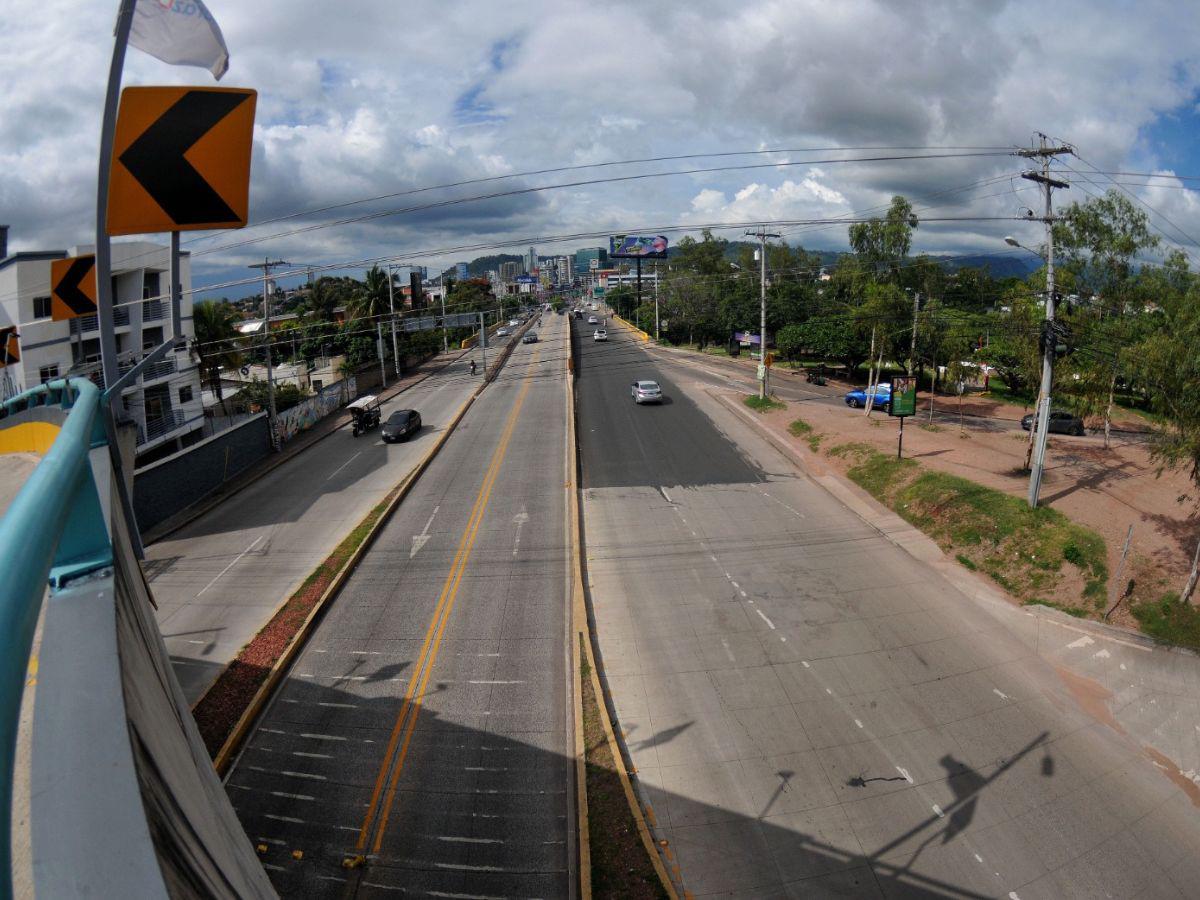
point(1106, 490)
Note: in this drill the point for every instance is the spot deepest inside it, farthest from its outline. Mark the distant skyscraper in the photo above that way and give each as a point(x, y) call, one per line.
point(532, 262)
point(583, 259)
point(460, 271)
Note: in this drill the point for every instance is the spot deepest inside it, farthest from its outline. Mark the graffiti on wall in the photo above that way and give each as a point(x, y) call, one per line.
point(307, 414)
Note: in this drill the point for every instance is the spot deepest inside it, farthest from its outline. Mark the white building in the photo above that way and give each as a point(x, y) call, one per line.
point(165, 400)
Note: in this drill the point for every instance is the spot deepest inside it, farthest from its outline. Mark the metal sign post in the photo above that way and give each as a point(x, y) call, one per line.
point(902, 404)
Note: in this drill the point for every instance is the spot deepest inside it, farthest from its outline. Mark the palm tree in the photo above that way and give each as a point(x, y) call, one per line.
point(321, 300)
point(373, 299)
point(213, 323)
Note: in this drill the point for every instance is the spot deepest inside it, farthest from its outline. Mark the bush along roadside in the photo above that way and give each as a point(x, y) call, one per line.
point(1037, 555)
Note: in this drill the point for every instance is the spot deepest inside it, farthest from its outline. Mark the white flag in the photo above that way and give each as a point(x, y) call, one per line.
point(179, 32)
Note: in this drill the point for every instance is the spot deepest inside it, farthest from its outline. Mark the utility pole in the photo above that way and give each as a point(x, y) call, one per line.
point(267, 265)
point(657, 336)
point(1045, 153)
point(392, 307)
point(379, 347)
point(912, 348)
point(762, 236)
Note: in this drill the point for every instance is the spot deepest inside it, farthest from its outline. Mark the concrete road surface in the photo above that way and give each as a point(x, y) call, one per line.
point(220, 578)
point(812, 711)
point(427, 724)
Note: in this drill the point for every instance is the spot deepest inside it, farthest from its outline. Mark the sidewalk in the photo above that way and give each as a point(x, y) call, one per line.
point(296, 445)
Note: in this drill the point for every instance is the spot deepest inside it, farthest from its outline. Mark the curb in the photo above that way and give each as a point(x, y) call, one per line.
point(634, 328)
point(233, 743)
point(582, 611)
point(202, 506)
point(924, 549)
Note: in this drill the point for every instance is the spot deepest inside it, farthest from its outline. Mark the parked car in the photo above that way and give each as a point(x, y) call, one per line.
point(646, 392)
point(400, 425)
point(599, 335)
point(858, 397)
point(1061, 422)
point(530, 338)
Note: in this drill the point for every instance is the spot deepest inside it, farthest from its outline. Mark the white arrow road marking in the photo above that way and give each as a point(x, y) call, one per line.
point(231, 565)
point(420, 540)
point(520, 518)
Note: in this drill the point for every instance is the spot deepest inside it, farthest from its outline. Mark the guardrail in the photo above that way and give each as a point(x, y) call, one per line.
point(54, 531)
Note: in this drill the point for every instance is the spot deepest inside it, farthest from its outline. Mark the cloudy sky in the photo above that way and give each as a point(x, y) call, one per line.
point(359, 99)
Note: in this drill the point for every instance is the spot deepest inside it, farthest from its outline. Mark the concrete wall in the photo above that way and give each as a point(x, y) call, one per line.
point(166, 487)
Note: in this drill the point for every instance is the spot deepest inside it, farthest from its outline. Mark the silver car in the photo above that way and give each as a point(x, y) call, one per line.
point(646, 392)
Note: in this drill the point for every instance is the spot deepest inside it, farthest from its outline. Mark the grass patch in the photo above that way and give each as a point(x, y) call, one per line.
point(1023, 550)
point(762, 404)
point(620, 865)
point(1170, 621)
point(930, 426)
point(802, 429)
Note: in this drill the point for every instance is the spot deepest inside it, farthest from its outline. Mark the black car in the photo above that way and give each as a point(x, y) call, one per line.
point(530, 338)
point(401, 424)
point(1061, 422)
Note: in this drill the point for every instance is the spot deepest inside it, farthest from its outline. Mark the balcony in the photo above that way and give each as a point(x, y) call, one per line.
point(154, 371)
point(160, 427)
point(153, 310)
point(85, 324)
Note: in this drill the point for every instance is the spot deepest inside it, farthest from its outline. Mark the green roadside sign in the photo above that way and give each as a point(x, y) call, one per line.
point(904, 396)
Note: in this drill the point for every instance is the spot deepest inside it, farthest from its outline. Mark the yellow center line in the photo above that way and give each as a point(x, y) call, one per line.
point(407, 717)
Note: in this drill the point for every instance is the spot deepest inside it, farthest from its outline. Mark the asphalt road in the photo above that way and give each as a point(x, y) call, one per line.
point(219, 579)
point(427, 724)
point(813, 711)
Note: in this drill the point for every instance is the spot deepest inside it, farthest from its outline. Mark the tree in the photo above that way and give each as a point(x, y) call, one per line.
point(215, 343)
point(882, 244)
point(373, 299)
point(321, 300)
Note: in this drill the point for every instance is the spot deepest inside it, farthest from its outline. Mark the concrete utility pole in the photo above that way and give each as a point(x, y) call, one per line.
point(762, 234)
point(1045, 153)
point(379, 347)
point(392, 308)
point(267, 265)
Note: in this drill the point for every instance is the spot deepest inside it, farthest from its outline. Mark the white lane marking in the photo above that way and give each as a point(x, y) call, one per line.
point(236, 560)
point(198, 642)
point(784, 505)
point(858, 722)
point(937, 809)
point(978, 858)
point(468, 840)
point(273, 867)
point(291, 819)
point(804, 663)
point(462, 867)
point(323, 737)
point(267, 840)
point(728, 652)
point(904, 773)
point(272, 731)
point(456, 896)
point(343, 465)
point(520, 518)
point(662, 490)
point(311, 755)
point(770, 624)
point(1101, 654)
point(713, 558)
point(740, 591)
point(366, 652)
point(1012, 895)
point(420, 540)
point(1080, 643)
point(292, 796)
point(829, 691)
point(999, 693)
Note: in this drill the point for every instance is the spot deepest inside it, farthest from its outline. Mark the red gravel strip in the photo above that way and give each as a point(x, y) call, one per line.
point(219, 710)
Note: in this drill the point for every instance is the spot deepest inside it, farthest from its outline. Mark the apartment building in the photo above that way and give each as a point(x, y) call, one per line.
point(165, 400)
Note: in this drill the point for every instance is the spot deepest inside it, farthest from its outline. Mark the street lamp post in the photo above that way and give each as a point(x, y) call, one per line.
point(392, 308)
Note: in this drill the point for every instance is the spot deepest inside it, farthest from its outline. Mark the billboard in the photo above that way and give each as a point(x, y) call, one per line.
point(904, 396)
point(632, 246)
point(526, 279)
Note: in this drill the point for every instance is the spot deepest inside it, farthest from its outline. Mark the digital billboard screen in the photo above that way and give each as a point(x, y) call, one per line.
point(631, 246)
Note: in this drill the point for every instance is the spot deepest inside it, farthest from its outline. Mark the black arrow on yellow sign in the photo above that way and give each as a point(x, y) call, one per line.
point(72, 295)
point(156, 159)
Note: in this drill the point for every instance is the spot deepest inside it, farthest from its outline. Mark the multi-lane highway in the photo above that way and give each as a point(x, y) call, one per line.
point(423, 736)
point(811, 710)
point(219, 579)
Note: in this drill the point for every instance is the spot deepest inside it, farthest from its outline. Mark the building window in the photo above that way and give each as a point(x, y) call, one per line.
point(185, 394)
point(47, 373)
point(149, 285)
point(41, 307)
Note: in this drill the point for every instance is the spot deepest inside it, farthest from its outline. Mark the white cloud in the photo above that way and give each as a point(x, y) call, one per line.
point(356, 100)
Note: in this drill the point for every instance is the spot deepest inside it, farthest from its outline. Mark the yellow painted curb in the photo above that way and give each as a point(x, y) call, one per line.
point(580, 612)
point(233, 743)
point(644, 335)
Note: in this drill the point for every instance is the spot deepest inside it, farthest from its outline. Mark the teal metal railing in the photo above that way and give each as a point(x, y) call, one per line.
point(53, 531)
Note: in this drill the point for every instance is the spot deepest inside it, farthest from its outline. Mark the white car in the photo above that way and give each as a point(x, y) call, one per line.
point(503, 332)
point(514, 323)
point(592, 320)
point(599, 335)
point(646, 392)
